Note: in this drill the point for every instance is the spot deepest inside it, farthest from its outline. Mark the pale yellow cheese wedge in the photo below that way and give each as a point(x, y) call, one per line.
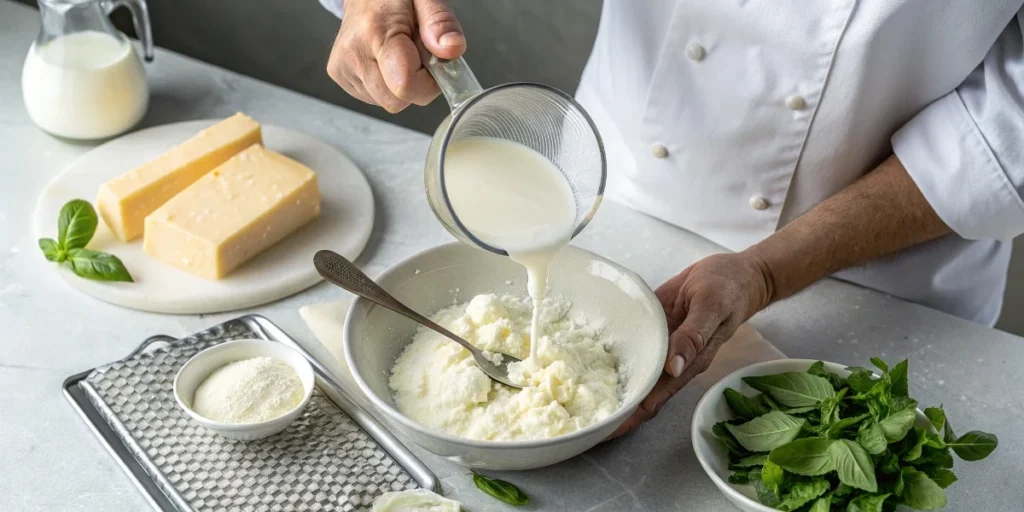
point(233, 213)
point(125, 201)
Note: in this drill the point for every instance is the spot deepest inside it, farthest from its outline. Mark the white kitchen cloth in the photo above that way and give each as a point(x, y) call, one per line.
point(327, 321)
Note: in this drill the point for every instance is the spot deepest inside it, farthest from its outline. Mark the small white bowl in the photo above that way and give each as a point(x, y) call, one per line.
point(712, 408)
point(197, 369)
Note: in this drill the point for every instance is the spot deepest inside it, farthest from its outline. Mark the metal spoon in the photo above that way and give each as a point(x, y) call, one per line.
point(341, 272)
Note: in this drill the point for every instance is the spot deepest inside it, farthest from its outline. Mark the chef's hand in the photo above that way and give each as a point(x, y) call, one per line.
point(375, 58)
point(704, 305)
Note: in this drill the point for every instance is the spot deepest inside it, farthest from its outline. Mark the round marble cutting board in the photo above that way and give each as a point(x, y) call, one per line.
point(344, 226)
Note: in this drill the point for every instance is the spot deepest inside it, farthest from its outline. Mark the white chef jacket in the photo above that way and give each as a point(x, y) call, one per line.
point(732, 118)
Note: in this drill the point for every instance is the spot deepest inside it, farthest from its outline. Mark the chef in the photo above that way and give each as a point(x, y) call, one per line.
point(879, 142)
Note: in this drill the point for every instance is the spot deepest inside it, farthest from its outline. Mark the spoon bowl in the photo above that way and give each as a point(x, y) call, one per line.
point(341, 272)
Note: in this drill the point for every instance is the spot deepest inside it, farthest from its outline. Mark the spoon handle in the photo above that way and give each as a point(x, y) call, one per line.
point(341, 272)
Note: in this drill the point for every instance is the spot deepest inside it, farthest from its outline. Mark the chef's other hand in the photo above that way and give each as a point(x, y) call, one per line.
point(375, 58)
point(704, 305)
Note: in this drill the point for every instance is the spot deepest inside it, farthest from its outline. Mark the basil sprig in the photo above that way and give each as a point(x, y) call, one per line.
point(75, 227)
point(500, 490)
point(815, 441)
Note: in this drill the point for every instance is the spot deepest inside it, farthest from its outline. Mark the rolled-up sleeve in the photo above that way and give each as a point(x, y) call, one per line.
point(965, 151)
point(334, 6)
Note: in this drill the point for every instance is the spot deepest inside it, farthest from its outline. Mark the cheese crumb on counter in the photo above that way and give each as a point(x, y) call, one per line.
point(573, 382)
point(416, 500)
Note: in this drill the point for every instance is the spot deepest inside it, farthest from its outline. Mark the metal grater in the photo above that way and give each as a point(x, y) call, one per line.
point(323, 461)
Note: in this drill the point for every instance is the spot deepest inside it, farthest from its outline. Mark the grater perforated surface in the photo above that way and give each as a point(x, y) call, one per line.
point(322, 462)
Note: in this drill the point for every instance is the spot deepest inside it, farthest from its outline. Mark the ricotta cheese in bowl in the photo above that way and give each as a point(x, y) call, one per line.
point(571, 383)
point(601, 350)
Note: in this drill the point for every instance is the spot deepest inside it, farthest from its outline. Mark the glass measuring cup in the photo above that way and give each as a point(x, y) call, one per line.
point(82, 78)
point(537, 116)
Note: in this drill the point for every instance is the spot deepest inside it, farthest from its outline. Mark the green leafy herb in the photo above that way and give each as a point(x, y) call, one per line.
point(76, 225)
point(793, 389)
point(809, 457)
point(921, 492)
point(896, 426)
point(974, 445)
point(822, 504)
point(854, 465)
point(765, 433)
point(500, 490)
point(801, 493)
point(868, 503)
point(818, 442)
point(872, 438)
point(747, 407)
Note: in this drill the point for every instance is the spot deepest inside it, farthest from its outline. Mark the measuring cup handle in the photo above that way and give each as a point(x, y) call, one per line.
point(140, 17)
point(454, 77)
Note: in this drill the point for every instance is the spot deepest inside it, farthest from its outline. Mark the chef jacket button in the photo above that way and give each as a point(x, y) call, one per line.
point(795, 103)
point(659, 151)
point(758, 203)
point(695, 52)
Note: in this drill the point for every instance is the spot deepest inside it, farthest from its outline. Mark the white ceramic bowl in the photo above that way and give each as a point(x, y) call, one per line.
point(201, 365)
point(437, 278)
point(712, 408)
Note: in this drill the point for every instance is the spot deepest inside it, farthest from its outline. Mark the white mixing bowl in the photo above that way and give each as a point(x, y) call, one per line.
point(440, 277)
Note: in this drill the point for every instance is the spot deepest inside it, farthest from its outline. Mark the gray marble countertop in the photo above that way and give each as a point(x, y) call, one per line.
point(52, 462)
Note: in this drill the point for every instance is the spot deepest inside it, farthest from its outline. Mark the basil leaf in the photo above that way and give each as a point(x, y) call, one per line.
point(722, 433)
point(914, 453)
point(800, 410)
point(842, 490)
point(937, 416)
point(943, 477)
point(872, 438)
point(974, 445)
point(896, 426)
point(900, 385)
point(853, 464)
point(52, 250)
point(793, 389)
point(836, 430)
point(860, 380)
point(744, 406)
point(500, 490)
point(822, 505)
point(868, 503)
point(739, 478)
point(921, 492)
point(802, 493)
point(880, 364)
point(891, 464)
point(76, 224)
point(898, 485)
point(934, 458)
point(752, 461)
point(809, 457)
point(818, 369)
point(765, 494)
point(773, 476)
point(97, 265)
point(765, 433)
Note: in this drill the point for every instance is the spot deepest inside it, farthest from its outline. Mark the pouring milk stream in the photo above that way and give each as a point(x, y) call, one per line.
point(517, 169)
point(512, 197)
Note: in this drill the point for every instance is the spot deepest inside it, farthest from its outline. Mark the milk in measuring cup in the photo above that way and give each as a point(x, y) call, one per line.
point(513, 198)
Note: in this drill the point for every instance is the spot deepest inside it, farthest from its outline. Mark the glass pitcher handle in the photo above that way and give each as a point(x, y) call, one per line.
point(454, 77)
point(140, 17)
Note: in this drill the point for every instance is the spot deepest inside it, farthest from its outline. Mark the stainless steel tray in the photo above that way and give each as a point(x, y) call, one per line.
point(335, 457)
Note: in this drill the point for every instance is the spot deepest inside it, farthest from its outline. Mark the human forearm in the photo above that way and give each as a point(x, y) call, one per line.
point(881, 213)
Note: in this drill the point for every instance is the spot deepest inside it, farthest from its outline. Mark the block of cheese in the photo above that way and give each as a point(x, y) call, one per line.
point(233, 213)
point(125, 201)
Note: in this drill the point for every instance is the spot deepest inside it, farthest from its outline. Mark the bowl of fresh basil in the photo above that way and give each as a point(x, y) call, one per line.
point(798, 434)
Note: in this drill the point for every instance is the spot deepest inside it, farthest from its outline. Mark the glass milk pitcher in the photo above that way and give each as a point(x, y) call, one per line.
point(82, 78)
